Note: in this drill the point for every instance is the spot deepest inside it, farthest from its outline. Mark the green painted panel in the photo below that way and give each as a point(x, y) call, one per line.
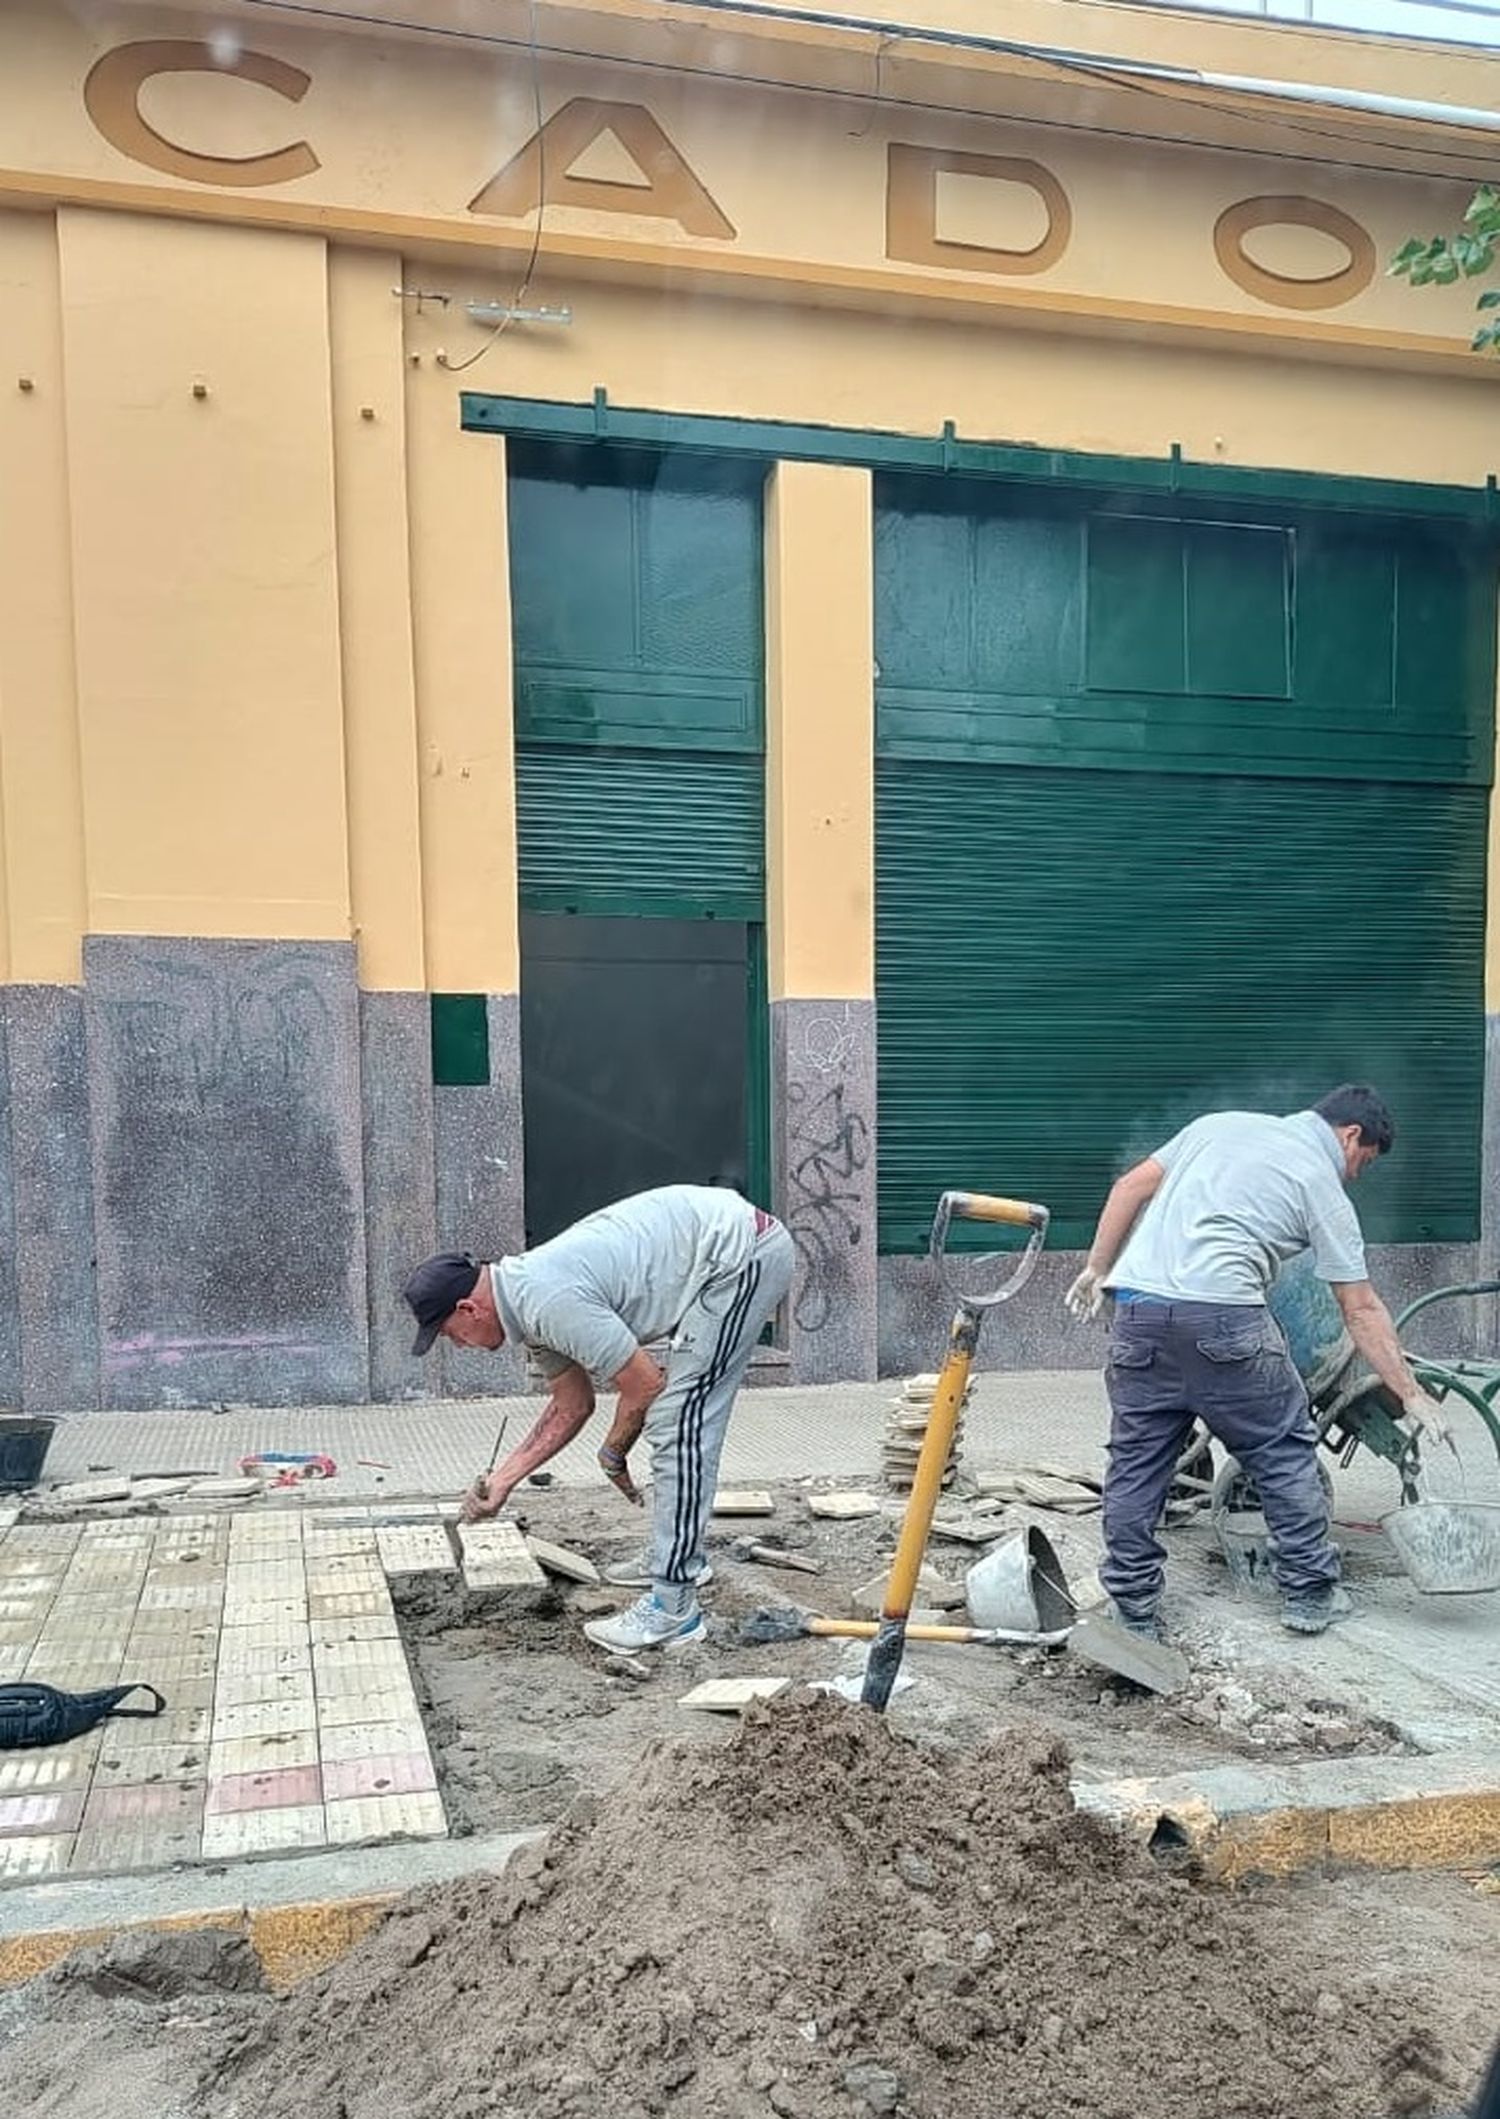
point(460, 1040)
point(1346, 610)
point(636, 593)
point(1305, 646)
point(1238, 579)
point(924, 563)
point(1071, 964)
point(1028, 603)
point(640, 831)
point(646, 710)
point(1136, 637)
point(573, 569)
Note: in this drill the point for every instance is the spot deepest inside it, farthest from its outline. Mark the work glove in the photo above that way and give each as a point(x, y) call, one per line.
point(1429, 1419)
point(1085, 1298)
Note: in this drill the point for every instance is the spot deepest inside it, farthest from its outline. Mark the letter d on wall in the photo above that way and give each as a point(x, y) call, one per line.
point(112, 97)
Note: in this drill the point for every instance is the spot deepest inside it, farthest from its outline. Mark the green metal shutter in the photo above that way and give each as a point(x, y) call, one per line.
point(636, 600)
point(1173, 815)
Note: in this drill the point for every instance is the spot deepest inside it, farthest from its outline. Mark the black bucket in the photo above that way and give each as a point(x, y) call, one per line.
point(23, 1450)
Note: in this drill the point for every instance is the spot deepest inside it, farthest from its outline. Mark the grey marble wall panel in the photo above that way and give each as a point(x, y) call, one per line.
point(481, 1190)
point(824, 1171)
point(395, 1032)
point(224, 1081)
point(48, 1287)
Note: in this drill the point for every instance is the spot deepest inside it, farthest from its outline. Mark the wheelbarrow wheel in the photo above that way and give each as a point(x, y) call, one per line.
point(1239, 1522)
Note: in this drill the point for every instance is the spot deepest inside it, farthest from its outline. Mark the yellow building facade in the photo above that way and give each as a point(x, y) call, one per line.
point(594, 594)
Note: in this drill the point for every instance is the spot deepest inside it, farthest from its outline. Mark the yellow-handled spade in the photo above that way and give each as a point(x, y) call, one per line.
point(963, 1337)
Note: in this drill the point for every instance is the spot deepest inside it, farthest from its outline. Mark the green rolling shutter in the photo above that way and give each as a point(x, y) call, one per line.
point(1173, 815)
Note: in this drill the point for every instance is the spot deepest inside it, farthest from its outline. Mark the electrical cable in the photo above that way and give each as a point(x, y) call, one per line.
point(1093, 69)
point(539, 136)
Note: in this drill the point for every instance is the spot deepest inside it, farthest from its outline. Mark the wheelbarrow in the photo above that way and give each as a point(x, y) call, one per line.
point(1446, 1546)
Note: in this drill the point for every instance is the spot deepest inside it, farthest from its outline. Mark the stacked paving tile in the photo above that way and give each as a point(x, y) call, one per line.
point(291, 1722)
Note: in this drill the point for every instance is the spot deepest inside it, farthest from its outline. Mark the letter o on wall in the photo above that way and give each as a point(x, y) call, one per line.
point(1280, 289)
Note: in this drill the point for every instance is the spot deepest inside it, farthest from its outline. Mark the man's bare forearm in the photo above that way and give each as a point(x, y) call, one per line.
point(561, 1420)
point(1121, 1211)
point(1374, 1335)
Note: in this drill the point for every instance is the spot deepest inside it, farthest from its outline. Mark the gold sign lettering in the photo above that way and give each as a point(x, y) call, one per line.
point(1328, 289)
point(911, 210)
point(112, 96)
point(668, 191)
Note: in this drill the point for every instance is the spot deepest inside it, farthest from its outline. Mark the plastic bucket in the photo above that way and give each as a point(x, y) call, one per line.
point(1019, 1586)
point(1449, 1548)
point(23, 1449)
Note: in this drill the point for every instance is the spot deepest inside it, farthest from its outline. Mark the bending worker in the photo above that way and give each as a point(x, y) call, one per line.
point(691, 1264)
point(1188, 1244)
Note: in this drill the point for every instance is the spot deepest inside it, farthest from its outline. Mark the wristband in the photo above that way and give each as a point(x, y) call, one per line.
point(612, 1459)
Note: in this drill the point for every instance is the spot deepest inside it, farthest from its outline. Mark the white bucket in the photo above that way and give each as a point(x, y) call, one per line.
point(1019, 1586)
point(1449, 1548)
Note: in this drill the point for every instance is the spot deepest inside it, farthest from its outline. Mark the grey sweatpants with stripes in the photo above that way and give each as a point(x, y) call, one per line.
point(686, 1426)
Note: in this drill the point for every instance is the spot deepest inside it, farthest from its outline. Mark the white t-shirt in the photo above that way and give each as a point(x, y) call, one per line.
point(623, 1277)
point(1243, 1192)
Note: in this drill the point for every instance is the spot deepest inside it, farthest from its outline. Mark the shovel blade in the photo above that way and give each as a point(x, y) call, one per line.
point(883, 1663)
point(1151, 1664)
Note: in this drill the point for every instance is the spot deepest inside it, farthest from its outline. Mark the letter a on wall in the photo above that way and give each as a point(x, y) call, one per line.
point(668, 189)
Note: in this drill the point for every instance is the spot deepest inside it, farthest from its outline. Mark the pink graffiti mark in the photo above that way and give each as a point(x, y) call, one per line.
point(167, 1352)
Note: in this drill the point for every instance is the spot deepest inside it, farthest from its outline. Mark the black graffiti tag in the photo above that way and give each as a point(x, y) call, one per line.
point(830, 1147)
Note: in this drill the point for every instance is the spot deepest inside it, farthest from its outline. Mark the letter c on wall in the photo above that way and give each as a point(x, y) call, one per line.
point(1282, 291)
point(112, 93)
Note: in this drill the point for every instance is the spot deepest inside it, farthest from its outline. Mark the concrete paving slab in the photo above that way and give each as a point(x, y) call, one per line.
point(385, 1817)
point(250, 1832)
point(495, 1557)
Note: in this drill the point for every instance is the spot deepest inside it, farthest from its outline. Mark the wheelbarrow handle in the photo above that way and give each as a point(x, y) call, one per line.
point(990, 1207)
point(1423, 1302)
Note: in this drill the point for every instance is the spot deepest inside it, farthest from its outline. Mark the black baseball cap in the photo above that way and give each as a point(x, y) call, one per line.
point(436, 1289)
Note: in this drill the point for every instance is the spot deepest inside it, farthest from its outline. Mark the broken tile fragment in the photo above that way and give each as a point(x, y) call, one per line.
point(844, 1508)
point(558, 1560)
point(732, 1695)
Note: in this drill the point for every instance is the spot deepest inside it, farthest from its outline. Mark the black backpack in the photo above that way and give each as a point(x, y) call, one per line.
point(40, 1714)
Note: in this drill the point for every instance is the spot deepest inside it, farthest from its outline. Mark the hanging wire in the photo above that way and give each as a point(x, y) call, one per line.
point(499, 330)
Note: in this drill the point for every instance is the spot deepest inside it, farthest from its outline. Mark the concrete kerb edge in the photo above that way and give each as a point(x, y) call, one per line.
point(294, 1927)
point(1372, 1813)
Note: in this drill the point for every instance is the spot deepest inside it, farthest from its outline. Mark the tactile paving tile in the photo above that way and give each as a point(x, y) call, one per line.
point(416, 1549)
point(495, 1557)
point(262, 1754)
point(245, 1832)
point(385, 1817)
point(341, 1709)
point(53, 1811)
point(341, 1744)
point(145, 1827)
point(387, 1773)
point(41, 1856)
point(345, 1633)
point(281, 1788)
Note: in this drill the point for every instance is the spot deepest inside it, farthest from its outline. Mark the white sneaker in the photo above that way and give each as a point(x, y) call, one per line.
point(647, 1624)
point(635, 1573)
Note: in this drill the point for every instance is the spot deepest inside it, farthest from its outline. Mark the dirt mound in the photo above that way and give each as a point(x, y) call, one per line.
point(821, 1921)
point(146, 1964)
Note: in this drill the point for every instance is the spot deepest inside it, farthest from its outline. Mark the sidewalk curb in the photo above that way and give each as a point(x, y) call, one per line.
point(299, 1914)
point(1371, 1813)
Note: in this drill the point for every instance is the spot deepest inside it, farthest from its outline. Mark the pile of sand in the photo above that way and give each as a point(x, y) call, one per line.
point(821, 1921)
